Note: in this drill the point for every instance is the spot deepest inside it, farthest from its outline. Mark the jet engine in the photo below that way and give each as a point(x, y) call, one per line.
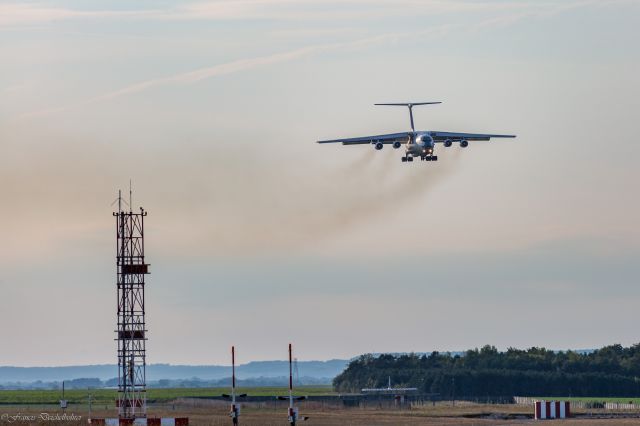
point(448, 143)
point(378, 145)
point(464, 143)
point(396, 145)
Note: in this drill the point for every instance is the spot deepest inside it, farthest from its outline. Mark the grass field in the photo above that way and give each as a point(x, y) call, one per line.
point(103, 396)
point(156, 395)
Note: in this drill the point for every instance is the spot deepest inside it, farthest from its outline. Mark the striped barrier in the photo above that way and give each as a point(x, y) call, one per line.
point(552, 410)
point(164, 421)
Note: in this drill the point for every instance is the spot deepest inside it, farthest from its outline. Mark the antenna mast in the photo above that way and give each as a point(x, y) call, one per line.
point(131, 326)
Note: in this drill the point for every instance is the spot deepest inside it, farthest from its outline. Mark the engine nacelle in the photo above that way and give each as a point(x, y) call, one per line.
point(448, 143)
point(464, 143)
point(396, 145)
point(378, 145)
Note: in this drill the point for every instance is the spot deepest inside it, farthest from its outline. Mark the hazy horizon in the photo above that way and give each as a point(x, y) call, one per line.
point(257, 236)
point(228, 364)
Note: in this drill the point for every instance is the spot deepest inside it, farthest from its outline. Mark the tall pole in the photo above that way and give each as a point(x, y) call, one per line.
point(235, 409)
point(292, 412)
point(290, 380)
point(293, 415)
point(233, 375)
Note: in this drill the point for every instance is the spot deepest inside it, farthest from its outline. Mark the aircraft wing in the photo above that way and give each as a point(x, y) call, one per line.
point(453, 136)
point(385, 139)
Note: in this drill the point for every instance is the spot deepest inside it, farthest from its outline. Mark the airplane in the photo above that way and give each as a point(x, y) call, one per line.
point(388, 389)
point(417, 143)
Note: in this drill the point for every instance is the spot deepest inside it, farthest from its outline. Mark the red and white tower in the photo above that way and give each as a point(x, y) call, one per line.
point(131, 326)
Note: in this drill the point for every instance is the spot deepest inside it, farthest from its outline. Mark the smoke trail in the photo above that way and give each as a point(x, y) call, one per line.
point(289, 211)
point(216, 197)
point(356, 166)
point(386, 193)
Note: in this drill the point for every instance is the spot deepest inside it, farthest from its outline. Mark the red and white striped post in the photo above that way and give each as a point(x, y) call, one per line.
point(552, 410)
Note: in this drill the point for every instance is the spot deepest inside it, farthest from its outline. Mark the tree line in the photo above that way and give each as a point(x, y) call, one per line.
point(610, 371)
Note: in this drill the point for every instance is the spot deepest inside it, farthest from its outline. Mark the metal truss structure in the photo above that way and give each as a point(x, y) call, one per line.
point(131, 328)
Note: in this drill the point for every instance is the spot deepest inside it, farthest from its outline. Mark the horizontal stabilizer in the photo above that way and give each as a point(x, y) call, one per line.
point(409, 104)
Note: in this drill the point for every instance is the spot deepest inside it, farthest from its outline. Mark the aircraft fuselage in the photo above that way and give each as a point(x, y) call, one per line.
point(420, 145)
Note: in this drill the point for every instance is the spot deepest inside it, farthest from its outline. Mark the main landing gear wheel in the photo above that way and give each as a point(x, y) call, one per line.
point(434, 158)
point(409, 159)
point(404, 159)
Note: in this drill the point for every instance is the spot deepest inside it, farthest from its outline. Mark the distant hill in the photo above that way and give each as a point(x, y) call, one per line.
point(155, 372)
point(256, 373)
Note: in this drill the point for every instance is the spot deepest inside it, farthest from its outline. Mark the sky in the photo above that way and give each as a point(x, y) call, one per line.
point(259, 237)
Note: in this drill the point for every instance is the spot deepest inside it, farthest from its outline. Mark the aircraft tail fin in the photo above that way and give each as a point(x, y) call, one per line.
point(409, 105)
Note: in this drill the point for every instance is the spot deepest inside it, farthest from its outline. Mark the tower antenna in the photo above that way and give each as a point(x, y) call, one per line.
point(120, 200)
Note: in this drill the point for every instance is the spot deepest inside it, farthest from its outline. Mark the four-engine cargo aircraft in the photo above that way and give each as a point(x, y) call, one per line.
point(417, 143)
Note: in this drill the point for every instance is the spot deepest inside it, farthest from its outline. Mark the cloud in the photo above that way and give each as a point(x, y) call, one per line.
point(24, 13)
point(21, 14)
point(237, 66)
point(18, 14)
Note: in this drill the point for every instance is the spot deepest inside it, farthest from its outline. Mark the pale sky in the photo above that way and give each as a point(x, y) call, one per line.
point(259, 237)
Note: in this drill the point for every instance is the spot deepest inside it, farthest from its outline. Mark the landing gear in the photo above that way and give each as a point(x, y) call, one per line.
point(434, 158)
point(409, 159)
point(404, 159)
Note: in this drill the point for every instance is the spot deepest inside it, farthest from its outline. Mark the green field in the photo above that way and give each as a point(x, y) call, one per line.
point(160, 395)
point(108, 396)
